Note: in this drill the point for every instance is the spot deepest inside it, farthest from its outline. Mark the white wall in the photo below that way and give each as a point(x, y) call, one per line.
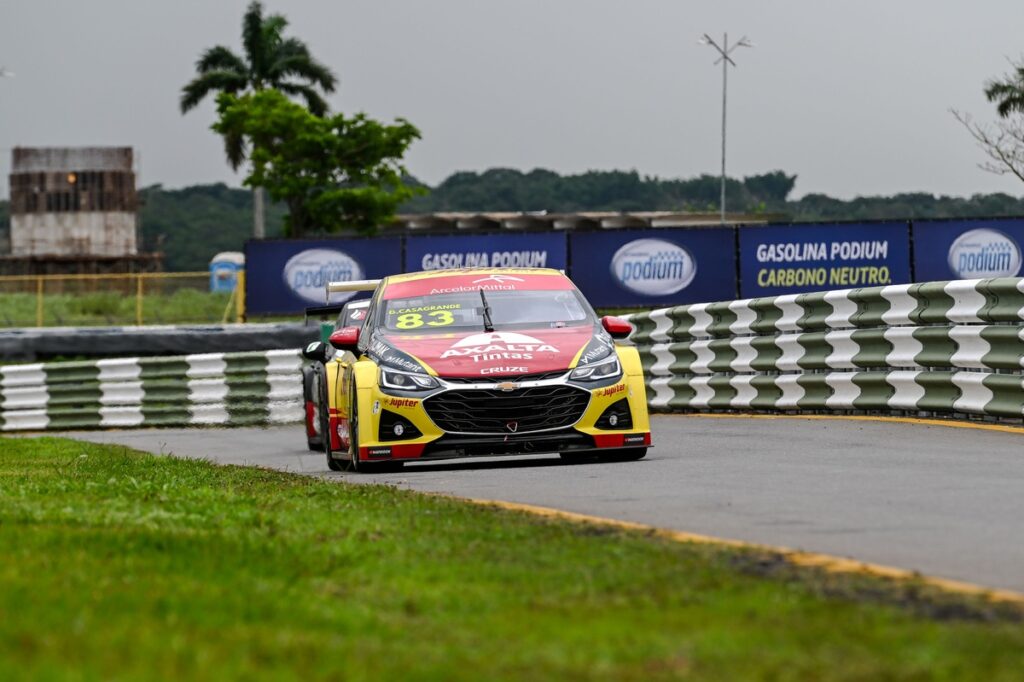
point(91, 233)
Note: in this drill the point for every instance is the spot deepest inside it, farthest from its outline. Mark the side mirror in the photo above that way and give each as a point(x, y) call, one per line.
point(316, 351)
point(616, 327)
point(345, 338)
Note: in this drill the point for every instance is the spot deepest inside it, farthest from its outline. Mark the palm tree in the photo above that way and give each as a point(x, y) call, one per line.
point(1009, 93)
point(271, 61)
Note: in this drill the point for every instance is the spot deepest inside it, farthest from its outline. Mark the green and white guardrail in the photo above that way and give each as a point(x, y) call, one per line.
point(234, 389)
point(934, 347)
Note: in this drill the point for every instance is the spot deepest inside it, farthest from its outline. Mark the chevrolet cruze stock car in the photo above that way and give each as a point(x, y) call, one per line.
point(314, 392)
point(481, 362)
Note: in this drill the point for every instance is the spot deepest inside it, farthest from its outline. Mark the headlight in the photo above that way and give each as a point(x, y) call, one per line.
point(605, 369)
point(406, 381)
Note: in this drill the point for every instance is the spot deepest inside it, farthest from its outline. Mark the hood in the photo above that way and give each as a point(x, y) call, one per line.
point(500, 353)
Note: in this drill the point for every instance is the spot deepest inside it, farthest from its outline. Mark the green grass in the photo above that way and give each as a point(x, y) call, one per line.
point(184, 306)
point(118, 565)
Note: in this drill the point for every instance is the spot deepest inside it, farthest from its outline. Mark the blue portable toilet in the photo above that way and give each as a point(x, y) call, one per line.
point(224, 269)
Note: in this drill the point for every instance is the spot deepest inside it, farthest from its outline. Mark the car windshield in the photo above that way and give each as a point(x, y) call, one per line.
point(465, 310)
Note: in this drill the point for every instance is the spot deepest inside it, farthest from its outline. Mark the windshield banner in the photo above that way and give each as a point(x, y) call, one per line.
point(545, 250)
point(658, 267)
point(287, 276)
point(795, 259)
point(968, 249)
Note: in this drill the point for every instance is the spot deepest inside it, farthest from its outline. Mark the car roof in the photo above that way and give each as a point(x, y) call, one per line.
point(427, 274)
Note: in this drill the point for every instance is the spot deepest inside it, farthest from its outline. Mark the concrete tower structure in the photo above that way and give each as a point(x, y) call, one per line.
point(73, 202)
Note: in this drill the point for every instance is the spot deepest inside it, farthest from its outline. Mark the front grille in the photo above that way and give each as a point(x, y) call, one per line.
point(516, 378)
point(524, 409)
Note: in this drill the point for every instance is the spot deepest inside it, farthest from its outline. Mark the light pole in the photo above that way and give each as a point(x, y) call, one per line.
point(723, 56)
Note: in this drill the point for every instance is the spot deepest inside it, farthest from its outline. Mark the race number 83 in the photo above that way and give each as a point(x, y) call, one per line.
point(438, 318)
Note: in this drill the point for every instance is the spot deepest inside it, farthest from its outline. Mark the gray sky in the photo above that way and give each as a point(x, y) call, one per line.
point(851, 96)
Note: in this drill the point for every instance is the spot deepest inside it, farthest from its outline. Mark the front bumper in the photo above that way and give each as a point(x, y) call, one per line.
point(423, 438)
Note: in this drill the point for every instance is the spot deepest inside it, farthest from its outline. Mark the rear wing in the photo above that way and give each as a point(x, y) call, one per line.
point(354, 285)
point(323, 310)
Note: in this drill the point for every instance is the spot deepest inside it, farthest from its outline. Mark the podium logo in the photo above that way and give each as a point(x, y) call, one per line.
point(984, 253)
point(308, 272)
point(653, 267)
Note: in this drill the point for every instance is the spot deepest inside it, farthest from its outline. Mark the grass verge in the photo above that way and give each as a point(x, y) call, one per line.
point(105, 308)
point(120, 565)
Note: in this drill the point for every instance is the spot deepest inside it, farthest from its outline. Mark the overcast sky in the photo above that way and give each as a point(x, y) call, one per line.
point(851, 96)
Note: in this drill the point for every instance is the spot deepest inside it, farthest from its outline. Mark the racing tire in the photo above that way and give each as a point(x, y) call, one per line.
point(314, 442)
point(353, 439)
point(325, 432)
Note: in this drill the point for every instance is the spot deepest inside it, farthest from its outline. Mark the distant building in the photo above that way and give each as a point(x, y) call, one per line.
point(73, 202)
point(74, 209)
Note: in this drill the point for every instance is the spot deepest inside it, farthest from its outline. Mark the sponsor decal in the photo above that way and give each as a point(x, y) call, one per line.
point(358, 314)
point(634, 439)
point(500, 279)
point(984, 253)
point(612, 390)
point(790, 252)
point(386, 355)
point(597, 349)
point(312, 347)
point(308, 272)
point(498, 346)
point(475, 287)
point(376, 406)
point(653, 267)
point(378, 452)
point(482, 259)
point(343, 434)
point(400, 402)
point(504, 370)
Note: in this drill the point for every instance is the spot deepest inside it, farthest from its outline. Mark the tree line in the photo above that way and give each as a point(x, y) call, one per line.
point(191, 224)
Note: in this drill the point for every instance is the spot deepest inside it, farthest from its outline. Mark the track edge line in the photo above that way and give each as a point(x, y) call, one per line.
point(827, 562)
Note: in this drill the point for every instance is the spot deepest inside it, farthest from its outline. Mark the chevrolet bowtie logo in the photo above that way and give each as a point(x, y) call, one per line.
point(507, 386)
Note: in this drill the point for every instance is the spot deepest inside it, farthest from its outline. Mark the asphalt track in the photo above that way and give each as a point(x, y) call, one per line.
point(947, 502)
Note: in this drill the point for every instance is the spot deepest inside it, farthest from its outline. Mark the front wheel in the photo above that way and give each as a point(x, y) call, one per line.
point(311, 398)
point(353, 436)
point(325, 431)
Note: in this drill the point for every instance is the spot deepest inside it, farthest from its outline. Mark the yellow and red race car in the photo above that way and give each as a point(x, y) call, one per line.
point(480, 362)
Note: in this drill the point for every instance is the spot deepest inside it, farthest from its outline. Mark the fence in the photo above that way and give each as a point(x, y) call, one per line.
point(939, 347)
point(236, 389)
point(111, 299)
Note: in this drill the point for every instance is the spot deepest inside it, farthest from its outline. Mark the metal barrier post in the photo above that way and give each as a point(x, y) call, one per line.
point(39, 301)
point(138, 299)
point(240, 297)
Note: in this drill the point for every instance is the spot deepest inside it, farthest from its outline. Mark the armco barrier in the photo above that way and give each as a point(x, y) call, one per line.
point(210, 389)
point(935, 347)
point(97, 342)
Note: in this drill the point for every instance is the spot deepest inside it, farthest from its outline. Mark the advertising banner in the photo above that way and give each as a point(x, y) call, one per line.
point(795, 259)
point(967, 249)
point(528, 250)
point(286, 276)
point(657, 267)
